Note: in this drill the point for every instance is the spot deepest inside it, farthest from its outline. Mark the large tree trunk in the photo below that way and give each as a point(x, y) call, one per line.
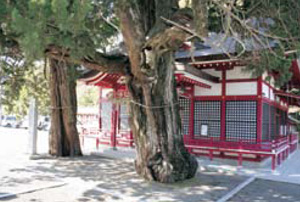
point(156, 125)
point(64, 139)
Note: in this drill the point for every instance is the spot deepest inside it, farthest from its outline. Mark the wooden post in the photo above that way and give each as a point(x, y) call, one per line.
point(240, 155)
point(97, 143)
point(192, 114)
point(100, 109)
point(211, 154)
point(259, 110)
point(258, 157)
point(113, 134)
point(223, 108)
point(273, 162)
point(240, 160)
point(33, 119)
point(131, 139)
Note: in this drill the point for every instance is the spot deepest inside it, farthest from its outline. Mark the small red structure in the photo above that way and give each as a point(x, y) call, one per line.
point(226, 113)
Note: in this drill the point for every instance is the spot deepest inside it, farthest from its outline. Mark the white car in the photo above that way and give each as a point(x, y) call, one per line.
point(10, 121)
point(42, 124)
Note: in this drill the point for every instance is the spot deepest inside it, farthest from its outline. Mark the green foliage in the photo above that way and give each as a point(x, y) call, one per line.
point(35, 25)
point(256, 24)
point(73, 25)
point(88, 96)
point(272, 63)
point(46, 22)
point(79, 27)
point(22, 84)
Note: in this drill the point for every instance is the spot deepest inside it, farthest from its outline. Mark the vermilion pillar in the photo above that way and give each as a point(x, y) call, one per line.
point(114, 123)
point(100, 108)
point(192, 107)
point(259, 110)
point(223, 107)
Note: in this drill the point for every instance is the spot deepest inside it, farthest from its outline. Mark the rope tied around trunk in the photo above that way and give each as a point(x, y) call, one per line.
point(63, 107)
point(133, 102)
point(154, 107)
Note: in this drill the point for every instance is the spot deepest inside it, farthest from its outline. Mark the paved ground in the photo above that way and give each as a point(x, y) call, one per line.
point(288, 171)
point(99, 178)
point(92, 178)
point(266, 190)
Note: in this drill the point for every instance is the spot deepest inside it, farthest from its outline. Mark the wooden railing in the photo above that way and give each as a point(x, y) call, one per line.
point(234, 144)
point(294, 137)
point(241, 144)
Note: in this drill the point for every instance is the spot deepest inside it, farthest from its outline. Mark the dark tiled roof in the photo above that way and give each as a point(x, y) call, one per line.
point(219, 44)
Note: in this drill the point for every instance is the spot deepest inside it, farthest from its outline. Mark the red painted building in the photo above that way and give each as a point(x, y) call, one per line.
point(225, 112)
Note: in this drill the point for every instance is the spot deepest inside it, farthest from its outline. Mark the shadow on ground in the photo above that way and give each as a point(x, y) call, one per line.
point(7, 197)
point(117, 180)
point(266, 190)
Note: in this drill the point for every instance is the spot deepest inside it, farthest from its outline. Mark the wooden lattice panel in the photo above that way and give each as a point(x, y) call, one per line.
point(185, 110)
point(266, 122)
point(272, 122)
point(278, 122)
point(241, 120)
point(283, 123)
point(207, 119)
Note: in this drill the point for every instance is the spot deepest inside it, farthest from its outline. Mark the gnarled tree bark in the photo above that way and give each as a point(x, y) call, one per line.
point(156, 125)
point(155, 122)
point(64, 139)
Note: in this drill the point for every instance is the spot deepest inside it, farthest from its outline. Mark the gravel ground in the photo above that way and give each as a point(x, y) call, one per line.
point(266, 190)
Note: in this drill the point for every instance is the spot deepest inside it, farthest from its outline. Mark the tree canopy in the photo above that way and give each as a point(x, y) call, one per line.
point(83, 29)
point(19, 85)
point(61, 28)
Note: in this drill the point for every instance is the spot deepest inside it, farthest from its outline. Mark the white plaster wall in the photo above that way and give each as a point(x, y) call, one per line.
point(272, 97)
point(215, 90)
point(213, 72)
point(265, 90)
point(244, 88)
point(238, 73)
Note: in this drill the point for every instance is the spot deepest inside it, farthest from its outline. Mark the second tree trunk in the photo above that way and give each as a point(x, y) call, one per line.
point(64, 139)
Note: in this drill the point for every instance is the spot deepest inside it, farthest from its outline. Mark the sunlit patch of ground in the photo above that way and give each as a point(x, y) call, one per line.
point(98, 178)
point(92, 178)
point(265, 190)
